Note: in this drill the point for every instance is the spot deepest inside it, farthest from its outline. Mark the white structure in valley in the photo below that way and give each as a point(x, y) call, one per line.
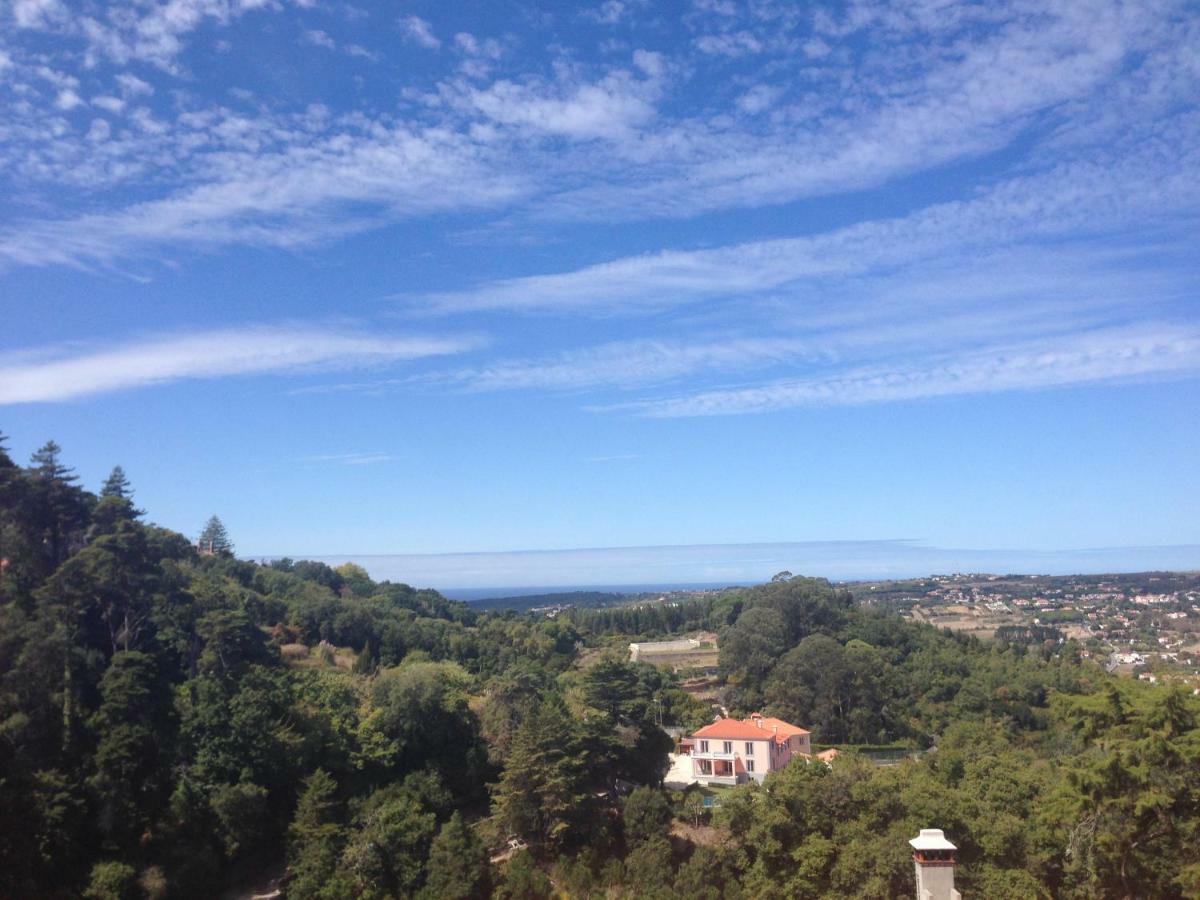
point(650, 648)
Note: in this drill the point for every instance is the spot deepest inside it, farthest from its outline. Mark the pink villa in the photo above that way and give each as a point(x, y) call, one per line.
point(732, 751)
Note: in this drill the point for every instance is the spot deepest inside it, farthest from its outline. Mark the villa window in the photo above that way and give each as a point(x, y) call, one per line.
point(750, 766)
point(728, 747)
point(704, 746)
point(749, 748)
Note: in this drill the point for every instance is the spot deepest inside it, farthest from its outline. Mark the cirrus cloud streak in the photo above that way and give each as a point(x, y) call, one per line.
point(54, 376)
point(1107, 355)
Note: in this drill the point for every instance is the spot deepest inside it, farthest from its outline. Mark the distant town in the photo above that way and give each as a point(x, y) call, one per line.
point(1146, 624)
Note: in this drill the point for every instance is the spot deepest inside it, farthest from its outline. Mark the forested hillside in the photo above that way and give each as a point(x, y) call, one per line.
point(174, 722)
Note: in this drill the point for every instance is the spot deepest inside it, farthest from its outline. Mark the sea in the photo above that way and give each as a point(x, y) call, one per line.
point(484, 575)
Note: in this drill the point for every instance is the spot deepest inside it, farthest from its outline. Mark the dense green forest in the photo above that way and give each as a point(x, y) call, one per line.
point(173, 722)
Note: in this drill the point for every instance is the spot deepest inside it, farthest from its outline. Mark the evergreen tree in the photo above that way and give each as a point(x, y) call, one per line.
point(134, 724)
point(48, 466)
point(649, 870)
point(107, 594)
point(544, 794)
point(394, 832)
point(611, 686)
point(704, 876)
point(58, 509)
point(5, 460)
point(117, 485)
point(647, 814)
point(523, 880)
point(511, 696)
point(366, 662)
point(112, 881)
point(11, 484)
point(315, 837)
point(458, 867)
point(231, 645)
point(243, 817)
point(115, 506)
point(214, 537)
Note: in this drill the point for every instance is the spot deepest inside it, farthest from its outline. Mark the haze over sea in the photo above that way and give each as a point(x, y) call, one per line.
point(471, 576)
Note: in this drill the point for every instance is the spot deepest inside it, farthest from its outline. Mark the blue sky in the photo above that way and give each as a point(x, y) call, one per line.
point(431, 278)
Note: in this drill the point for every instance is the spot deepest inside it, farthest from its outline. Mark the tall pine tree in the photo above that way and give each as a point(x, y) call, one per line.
point(458, 867)
point(214, 538)
point(57, 509)
point(544, 794)
point(115, 506)
point(117, 485)
point(315, 837)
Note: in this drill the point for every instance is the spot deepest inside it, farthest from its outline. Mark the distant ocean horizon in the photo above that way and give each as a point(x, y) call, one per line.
point(472, 595)
point(483, 575)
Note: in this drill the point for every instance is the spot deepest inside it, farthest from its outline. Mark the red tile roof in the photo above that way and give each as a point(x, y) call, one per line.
point(769, 722)
point(733, 729)
point(756, 728)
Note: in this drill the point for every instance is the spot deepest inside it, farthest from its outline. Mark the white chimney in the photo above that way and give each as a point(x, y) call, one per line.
point(933, 857)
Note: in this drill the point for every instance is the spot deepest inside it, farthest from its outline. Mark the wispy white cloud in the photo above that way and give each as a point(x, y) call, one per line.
point(361, 52)
point(611, 107)
point(109, 104)
point(126, 30)
point(261, 178)
point(366, 458)
point(886, 91)
point(291, 196)
point(420, 31)
point(319, 38)
point(1092, 357)
point(133, 86)
point(1080, 199)
point(590, 111)
point(53, 375)
point(887, 112)
point(962, 322)
point(737, 43)
point(67, 100)
point(38, 13)
point(610, 12)
point(758, 98)
point(624, 365)
point(627, 364)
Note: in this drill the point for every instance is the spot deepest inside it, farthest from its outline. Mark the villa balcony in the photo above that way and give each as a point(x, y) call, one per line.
point(713, 754)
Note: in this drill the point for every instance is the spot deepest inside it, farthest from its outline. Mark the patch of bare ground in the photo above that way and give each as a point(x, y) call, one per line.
point(589, 656)
point(701, 835)
point(301, 656)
